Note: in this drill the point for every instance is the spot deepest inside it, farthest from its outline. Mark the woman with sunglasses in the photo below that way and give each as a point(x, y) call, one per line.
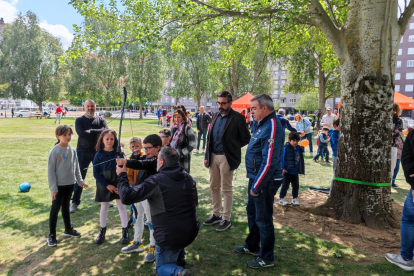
point(183, 138)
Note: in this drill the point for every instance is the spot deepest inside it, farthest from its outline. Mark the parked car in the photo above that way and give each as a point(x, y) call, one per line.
point(22, 113)
point(71, 109)
point(102, 113)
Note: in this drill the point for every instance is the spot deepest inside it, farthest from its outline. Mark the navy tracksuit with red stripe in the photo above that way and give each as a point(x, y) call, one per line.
point(263, 165)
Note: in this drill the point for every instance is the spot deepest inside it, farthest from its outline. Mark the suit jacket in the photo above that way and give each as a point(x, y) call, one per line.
point(204, 121)
point(235, 136)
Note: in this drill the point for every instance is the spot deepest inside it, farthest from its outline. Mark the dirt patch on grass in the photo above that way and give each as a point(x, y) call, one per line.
point(374, 242)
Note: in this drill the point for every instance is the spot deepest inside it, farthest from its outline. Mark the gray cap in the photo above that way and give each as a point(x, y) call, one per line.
point(328, 108)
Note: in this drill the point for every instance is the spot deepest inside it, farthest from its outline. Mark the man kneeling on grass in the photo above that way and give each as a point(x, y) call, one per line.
point(172, 197)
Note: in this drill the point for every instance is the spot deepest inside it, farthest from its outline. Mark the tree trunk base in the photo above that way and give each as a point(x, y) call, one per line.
point(359, 204)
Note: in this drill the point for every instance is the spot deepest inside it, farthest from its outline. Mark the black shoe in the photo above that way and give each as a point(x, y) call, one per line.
point(51, 240)
point(71, 233)
point(224, 225)
point(394, 185)
point(213, 219)
point(101, 238)
point(125, 236)
point(184, 272)
point(181, 262)
point(314, 160)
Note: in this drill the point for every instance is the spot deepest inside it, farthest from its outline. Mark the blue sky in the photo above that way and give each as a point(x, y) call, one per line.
point(56, 16)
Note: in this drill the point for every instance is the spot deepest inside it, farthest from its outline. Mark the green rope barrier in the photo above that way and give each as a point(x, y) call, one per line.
point(362, 182)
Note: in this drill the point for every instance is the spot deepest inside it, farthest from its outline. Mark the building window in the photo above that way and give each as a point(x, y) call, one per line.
point(411, 26)
point(283, 82)
point(397, 76)
point(166, 100)
point(277, 82)
point(410, 63)
point(399, 52)
point(411, 38)
point(409, 88)
point(183, 100)
point(191, 100)
point(397, 88)
point(172, 100)
point(411, 51)
point(409, 76)
point(292, 100)
point(402, 39)
point(283, 100)
point(398, 64)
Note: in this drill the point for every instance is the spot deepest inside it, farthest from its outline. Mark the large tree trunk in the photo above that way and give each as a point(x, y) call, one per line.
point(367, 51)
point(235, 83)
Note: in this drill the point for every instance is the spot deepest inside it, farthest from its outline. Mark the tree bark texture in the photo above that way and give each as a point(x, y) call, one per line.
point(322, 93)
point(367, 50)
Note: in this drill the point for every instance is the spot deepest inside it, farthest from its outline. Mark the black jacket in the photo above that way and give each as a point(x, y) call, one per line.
point(146, 167)
point(204, 121)
point(87, 141)
point(235, 136)
point(172, 197)
point(407, 158)
point(289, 158)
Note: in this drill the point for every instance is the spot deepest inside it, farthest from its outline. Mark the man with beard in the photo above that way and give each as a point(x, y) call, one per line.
point(228, 134)
point(88, 127)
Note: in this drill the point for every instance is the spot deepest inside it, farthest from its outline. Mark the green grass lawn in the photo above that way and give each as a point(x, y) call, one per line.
point(24, 219)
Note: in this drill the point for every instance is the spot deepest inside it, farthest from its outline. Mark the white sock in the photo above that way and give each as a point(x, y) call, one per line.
point(104, 213)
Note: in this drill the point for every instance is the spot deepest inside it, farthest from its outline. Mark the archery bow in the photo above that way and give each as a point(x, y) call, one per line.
point(119, 149)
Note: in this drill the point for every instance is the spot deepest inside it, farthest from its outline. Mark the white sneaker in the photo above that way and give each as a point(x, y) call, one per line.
point(111, 204)
point(196, 151)
point(311, 154)
point(396, 259)
point(295, 201)
point(203, 150)
point(282, 202)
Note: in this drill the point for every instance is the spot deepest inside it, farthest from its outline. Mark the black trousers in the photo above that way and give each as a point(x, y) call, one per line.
point(62, 200)
point(85, 158)
point(287, 179)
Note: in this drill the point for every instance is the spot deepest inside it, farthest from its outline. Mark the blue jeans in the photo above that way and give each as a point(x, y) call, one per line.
point(322, 152)
point(85, 158)
point(260, 219)
point(407, 227)
point(165, 261)
point(308, 136)
point(396, 170)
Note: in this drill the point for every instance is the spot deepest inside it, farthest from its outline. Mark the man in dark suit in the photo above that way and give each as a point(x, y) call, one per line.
point(228, 134)
point(203, 119)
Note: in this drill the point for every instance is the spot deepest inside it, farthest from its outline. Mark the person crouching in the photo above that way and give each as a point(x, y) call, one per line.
point(172, 196)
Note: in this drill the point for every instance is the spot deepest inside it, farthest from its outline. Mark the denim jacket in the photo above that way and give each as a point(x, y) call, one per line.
point(303, 125)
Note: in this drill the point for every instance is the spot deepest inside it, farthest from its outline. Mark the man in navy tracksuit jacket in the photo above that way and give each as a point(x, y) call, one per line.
point(263, 157)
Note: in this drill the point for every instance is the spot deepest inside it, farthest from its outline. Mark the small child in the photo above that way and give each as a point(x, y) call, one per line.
point(334, 136)
point(62, 172)
point(292, 165)
point(135, 145)
point(323, 146)
point(147, 166)
point(104, 171)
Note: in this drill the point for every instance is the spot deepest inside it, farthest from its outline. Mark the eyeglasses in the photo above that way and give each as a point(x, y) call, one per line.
point(148, 148)
point(221, 103)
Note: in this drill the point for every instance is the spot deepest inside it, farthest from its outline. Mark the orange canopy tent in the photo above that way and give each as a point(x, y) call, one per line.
point(406, 103)
point(243, 102)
